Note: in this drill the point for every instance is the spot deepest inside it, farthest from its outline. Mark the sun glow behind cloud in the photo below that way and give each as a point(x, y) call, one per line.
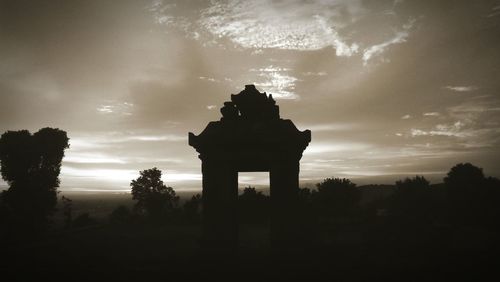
point(95, 159)
point(321, 148)
point(253, 179)
point(277, 81)
point(119, 179)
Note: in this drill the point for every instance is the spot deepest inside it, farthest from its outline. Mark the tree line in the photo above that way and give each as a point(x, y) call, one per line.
point(465, 198)
point(31, 163)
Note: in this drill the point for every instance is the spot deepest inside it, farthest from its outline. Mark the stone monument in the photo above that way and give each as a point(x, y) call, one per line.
point(249, 137)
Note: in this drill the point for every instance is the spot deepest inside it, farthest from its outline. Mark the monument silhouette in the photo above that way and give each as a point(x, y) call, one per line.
point(249, 137)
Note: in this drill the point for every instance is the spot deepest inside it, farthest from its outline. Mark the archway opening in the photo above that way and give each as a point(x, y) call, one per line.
point(258, 180)
point(253, 211)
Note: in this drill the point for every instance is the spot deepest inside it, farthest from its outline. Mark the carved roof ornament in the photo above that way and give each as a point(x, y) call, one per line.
point(250, 104)
point(250, 125)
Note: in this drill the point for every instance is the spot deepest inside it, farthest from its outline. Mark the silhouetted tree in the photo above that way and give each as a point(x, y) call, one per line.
point(473, 197)
point(253, 206)
point(466, 194)
point(153, 197)
point(336, 197)
point(191, 208)
point(31, 165)
point(412, 201)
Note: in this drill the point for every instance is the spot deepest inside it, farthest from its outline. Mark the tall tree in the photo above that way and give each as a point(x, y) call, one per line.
point(153, 197)
point(31, 164)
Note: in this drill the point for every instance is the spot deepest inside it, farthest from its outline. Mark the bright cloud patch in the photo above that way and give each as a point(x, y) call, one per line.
point(328, 127)
point(453, 130)
point(376, 50)
point(461, 88)
point(110, 138)
point(277, 81)
point(92, 158)
point(111, 175)
point(120, 108)
point(472, 124)
point(309, 73)
point(287, 25)
point(291, 25)
point(177, 176)
point(211, 79)
point(322, 148)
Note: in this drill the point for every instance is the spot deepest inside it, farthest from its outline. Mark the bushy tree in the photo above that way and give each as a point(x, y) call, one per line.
point(31, 164)
point(415, 184)
point(336, 197)
point(153, 197)
point(412, 200)
point(468, 194)
point(253, 206)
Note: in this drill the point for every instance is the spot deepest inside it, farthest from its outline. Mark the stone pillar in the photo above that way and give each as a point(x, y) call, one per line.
point(284, 178)
point(220, 196)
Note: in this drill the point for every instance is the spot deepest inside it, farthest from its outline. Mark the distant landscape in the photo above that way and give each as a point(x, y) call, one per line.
point(249, 140)
point(100, 204)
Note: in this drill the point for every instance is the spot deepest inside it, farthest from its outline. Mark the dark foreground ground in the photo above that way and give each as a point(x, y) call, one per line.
point(145, 252)
point(374, 250)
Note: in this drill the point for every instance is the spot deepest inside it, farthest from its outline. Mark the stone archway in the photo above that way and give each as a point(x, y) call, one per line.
point(249, 137)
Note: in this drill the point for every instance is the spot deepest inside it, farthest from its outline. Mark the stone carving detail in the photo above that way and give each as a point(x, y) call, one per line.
point(254, 105)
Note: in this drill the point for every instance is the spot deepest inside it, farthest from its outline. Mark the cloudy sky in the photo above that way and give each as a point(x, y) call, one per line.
point(389, 89)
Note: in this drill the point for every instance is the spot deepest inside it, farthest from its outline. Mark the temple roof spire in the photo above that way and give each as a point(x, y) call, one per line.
point(250, 104)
